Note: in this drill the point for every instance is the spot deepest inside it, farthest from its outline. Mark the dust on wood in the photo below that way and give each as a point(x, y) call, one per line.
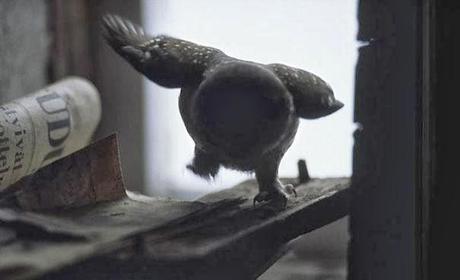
point(220, 235)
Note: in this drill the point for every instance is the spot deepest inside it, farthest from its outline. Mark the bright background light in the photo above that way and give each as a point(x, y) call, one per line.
point(315, 35)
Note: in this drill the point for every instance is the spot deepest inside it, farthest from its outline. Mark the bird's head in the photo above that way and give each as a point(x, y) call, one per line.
point(317, 101)
point(313, 97)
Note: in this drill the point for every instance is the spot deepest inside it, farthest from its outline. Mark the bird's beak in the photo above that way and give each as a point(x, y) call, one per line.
point(337, 105)
point(331, 108)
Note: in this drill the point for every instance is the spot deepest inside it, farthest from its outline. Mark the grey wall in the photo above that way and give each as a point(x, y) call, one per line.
point(23, 47)
point(42, 41)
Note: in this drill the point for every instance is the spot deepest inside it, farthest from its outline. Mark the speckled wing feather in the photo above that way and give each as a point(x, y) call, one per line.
point(165, 60)
point(307, 89)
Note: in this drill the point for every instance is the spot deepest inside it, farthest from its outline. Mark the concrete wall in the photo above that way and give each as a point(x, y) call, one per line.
point(23, 47)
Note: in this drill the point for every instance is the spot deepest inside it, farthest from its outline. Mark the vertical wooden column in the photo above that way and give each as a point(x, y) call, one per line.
point(70, 47)
point(443, 244)
point(384, 183)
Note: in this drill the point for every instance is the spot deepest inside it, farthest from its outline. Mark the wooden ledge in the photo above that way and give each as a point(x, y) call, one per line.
point(220, 236)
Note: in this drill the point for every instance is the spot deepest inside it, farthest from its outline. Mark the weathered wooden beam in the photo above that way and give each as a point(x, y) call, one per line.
point(441, 205)
point(220, 236)
point(383, 209)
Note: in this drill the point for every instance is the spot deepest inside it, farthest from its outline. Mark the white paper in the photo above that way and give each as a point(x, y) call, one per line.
point(45, 126)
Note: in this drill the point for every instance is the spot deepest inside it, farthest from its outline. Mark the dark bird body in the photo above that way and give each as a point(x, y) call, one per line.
point(241, 115)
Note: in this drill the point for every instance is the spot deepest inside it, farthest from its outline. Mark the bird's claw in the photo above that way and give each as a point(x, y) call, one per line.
point(277, 198)
point(290, 189)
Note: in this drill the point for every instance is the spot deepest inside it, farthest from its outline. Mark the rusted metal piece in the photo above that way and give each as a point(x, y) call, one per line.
point(88, 176)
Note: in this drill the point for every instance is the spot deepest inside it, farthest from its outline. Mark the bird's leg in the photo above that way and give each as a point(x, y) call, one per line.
point(204, 164)
point(270, 187)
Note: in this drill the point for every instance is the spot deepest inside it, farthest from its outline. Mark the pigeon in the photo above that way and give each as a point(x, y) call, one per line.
point(241, 114)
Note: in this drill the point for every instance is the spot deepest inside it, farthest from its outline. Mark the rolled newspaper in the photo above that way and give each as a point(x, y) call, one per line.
point(45, 126)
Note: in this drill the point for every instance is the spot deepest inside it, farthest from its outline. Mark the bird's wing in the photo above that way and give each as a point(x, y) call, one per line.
point(165, 60)
point(307, 89)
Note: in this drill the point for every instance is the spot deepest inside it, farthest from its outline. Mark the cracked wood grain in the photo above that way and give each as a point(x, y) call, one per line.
point(220, 236)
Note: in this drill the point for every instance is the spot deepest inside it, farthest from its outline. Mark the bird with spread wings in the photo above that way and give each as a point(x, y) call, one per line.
point(241, 114)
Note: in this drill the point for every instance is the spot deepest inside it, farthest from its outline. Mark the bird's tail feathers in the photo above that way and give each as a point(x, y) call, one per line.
point(120, 33)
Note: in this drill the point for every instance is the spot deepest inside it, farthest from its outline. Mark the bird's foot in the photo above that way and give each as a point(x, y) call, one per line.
point(278, 197)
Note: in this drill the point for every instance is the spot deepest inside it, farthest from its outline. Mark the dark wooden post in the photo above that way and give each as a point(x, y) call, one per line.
point(384, 183)
point(442, 140)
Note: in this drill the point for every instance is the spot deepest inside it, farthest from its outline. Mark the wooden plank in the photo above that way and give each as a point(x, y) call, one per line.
point(84, 211)
point(202, 239)
point(221, 235)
